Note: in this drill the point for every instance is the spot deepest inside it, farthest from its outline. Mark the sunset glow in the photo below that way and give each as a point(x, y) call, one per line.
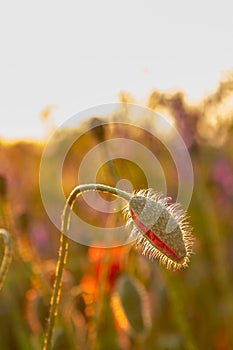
point(73, 57)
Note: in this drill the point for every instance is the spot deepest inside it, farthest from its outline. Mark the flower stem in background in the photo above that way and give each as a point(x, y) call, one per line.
point(19, 236)
point(180, 315)
point(29, 255)
point(4, 233)
point(213, 241)
point(6, 257)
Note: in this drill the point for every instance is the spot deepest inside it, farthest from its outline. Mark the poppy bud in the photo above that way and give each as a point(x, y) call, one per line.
point(160, 228)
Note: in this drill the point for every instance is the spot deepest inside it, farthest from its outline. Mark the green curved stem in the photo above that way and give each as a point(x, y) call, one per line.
point(7, 256)
point(63, 250)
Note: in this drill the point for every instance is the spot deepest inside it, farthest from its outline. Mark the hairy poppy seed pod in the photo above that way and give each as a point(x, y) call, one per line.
point(161, 229)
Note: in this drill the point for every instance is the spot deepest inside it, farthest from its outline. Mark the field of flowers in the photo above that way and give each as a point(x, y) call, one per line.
point(116, 298)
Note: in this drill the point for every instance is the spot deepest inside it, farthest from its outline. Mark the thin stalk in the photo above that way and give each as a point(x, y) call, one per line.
point(63, 250)
point(6, 257)
point(179, 313)
point(21, 246)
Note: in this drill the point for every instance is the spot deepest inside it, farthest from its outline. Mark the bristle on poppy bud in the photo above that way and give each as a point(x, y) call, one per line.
point(160, 228)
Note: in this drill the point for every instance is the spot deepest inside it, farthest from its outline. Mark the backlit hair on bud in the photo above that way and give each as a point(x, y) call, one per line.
point(161, 229)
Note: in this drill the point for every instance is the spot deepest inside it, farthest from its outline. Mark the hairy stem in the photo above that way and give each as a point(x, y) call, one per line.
point(6, 257)
point(63, 250)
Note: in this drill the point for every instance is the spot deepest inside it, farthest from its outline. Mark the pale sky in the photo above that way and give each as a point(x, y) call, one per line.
point(76, 54)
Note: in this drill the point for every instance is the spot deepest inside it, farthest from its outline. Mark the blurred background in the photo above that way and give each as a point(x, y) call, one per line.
point(76, 55)
point(58, 59)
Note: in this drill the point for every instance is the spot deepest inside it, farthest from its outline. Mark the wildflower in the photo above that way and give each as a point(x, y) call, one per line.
point(160, 229)
point(107, 262)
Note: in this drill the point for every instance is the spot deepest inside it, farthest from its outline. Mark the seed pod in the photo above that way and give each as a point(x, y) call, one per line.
point(161, 230)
